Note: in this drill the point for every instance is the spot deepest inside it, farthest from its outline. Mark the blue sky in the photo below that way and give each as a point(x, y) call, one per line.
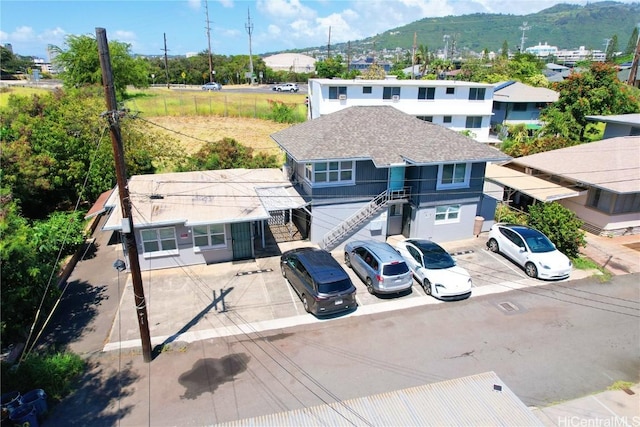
point(277, 24)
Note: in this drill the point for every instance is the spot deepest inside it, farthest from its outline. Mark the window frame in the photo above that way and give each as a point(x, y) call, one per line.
point(158, 240)
point(311, 172)
point(454, 184)
point(473, 122)
point(477, 93)
point(209, 234)
point(336, 91)
point(388, 92)
point(452, 214)
point(447, 119)
point(450, 90)
point(426, 93)
point(367, 90)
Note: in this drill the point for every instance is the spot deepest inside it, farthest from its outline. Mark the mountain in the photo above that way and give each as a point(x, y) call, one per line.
point(566, 26)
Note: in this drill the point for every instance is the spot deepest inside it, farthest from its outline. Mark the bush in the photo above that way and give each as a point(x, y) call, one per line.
point(560, 225)
point(54, 373)
point(505, 214)
point(281, 112)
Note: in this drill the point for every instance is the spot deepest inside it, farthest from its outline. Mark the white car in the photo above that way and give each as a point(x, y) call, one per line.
point(211, 86)
point(530, 249)
point(435, 269)
point(286, 87)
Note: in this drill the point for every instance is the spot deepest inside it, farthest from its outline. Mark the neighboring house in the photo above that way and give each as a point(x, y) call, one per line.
point(457, 105)
point(599, 181)
point(364, 64)
point(517, 103)
point(371, 172)
point(204, 217)
point(619, 125)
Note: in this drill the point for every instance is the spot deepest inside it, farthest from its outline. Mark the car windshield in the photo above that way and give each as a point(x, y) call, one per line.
point(395, 269)
point(539, 243)
point(334, 287)
point(437, 259)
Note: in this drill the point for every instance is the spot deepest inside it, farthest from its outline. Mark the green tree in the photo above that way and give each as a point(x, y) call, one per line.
point(228, 154)
point(560, 224)
point(594, 91)
point(80, 63)
point(504, 52)
point(52, 142)
point(31, 255)
point(632, 43)
point(423, 59)
point(374, 72)
point(330, 67)
point(612, 48)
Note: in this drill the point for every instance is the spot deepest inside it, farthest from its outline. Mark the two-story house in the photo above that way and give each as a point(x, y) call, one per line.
point(375, 171)
point(517, 103)
point(456, 105)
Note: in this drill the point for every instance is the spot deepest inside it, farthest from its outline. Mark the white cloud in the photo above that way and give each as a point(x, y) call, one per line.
point(226, 3)
point(194, 4)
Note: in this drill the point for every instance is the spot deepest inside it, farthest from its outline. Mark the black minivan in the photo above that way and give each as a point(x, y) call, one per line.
point(319, 280)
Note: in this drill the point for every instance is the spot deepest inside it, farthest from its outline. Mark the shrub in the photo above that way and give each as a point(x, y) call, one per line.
point(560, 225)
point(505, 214)
point(54, 373)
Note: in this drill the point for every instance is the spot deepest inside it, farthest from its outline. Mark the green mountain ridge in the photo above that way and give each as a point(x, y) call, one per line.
point(566, 26)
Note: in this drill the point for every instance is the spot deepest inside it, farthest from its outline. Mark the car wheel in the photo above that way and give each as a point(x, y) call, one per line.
point(293, 90)
point(284, 274)
point(347, 259)
point(531, 270)
point(279, 90)
point(426, 285)
point(370, 286)
point(493, 246)
point(305, 304)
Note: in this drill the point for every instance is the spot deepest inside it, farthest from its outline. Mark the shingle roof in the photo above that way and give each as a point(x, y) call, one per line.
point(612, 164)
point(381, 133)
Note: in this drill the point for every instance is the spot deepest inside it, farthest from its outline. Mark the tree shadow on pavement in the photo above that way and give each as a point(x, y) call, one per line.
point(96, 401)
point(75, 313)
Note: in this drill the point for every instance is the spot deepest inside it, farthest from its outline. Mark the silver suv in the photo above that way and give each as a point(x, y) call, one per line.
point(379, 265)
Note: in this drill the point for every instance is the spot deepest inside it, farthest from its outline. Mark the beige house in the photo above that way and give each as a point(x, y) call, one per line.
point(599, 181)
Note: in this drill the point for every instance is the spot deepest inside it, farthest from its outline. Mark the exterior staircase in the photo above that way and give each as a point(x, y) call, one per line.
point(346, 227)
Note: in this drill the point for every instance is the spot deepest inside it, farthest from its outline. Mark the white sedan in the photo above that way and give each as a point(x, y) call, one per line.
point(435, 269)
point(531, 249)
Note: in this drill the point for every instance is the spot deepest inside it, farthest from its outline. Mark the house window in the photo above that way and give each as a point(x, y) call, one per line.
point(600, 199)
point(389, 92)
point(366, 89)
point(476, 93)
point(474, 122)
point(497, 106)
point(425, 118)
point(338, 172)
point(451, 90)
point(447, 214)
point(519, 106)
point(336, 91)
point(395, 210)
point(159, 239)
point(453, 175)
point(626, 203)
point(209, 236)
point(426, 93)
point(446, 119)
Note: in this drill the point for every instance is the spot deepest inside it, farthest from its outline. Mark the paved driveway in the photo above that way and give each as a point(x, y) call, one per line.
point(192, 303)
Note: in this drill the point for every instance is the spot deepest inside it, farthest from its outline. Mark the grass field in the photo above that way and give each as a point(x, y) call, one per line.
point(195, 117)
point(7, 91)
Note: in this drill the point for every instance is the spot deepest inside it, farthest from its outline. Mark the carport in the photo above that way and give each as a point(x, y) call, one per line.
point(514, 181)
point(280, 201)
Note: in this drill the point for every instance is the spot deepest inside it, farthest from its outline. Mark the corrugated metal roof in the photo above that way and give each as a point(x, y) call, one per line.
point(467, 401)
point(538, 188)
point(280, 198)
point(194, 198)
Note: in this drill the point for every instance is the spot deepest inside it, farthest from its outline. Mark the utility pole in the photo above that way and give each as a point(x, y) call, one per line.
point(633, 71)
point(166, 62)
point(413, 55)
point(206, 7)
point(348, 56)
point(329, 45)
point(123, 189)
point(445, 38)
point(524, 28)
point(249, 28)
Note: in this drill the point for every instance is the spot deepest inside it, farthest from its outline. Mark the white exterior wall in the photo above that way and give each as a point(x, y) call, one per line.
point(423, 225)
point(456, 105)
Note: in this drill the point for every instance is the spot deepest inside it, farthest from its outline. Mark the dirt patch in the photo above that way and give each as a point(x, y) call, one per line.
point(194, 131)
point(635, 246)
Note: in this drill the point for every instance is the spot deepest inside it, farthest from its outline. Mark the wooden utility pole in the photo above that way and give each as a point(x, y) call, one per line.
point(633, 71)
point(208, 27)
point(413, 55)
point(123, 189)
point(329, 45)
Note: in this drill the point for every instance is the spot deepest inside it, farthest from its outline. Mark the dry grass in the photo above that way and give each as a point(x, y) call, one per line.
point(194, 131)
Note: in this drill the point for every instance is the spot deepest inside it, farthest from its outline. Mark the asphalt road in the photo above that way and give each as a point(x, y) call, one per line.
point(548, 344)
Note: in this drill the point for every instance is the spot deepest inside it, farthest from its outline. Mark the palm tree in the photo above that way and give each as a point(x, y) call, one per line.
point(422, 59)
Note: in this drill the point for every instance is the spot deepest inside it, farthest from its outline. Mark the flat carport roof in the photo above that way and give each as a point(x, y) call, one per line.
point(539, 189)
